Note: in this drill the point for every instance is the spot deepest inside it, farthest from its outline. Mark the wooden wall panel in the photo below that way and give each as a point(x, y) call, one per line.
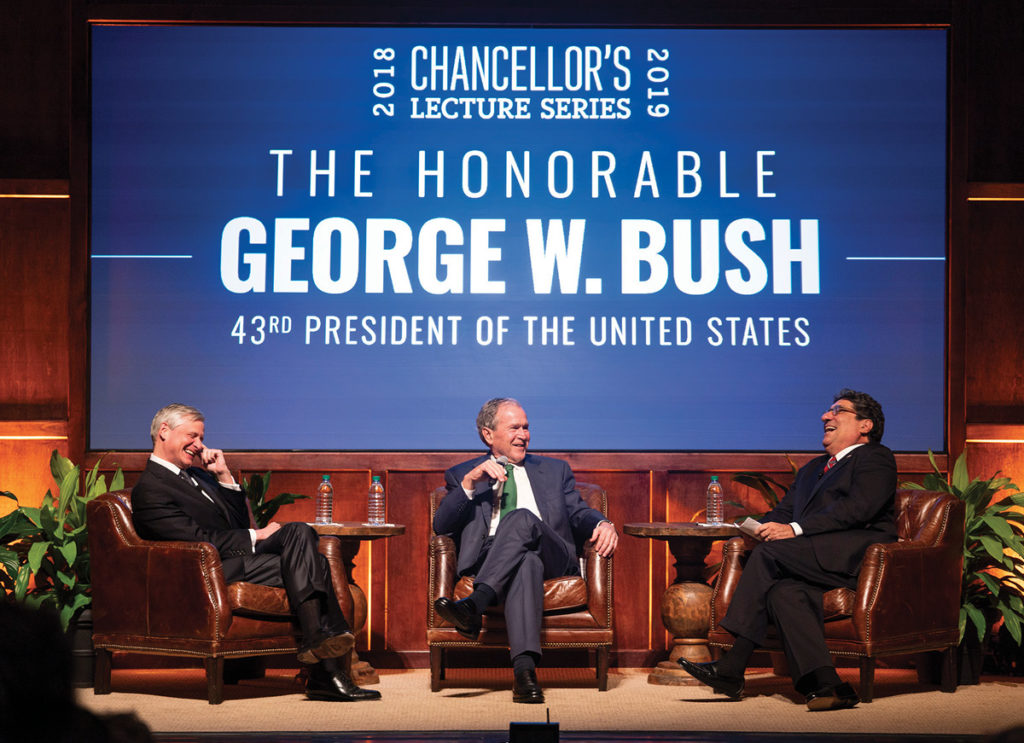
point(986, 459)
point(35, 80)
point(995, 95)
point(25, 470)
point(34, 290)
point(995, 313)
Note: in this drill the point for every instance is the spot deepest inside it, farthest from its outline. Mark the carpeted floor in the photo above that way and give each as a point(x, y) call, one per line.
point(480, 699)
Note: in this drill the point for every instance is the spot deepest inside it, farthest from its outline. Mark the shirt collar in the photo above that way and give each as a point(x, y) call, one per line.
point(164, 463)
point(846, 451)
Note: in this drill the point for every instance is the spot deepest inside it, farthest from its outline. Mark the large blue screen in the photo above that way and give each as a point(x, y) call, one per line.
point(336, 238)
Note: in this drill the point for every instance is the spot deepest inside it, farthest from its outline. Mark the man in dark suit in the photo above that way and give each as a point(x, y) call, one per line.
point(187, 493)
point(516, 519)
point(813, 540)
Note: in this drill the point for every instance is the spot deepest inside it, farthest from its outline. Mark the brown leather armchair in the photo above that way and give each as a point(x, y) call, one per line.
point(170, 598)
point(907, 599)
point(577, 610)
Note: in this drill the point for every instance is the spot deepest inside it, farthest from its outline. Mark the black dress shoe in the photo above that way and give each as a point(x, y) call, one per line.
point(460, 614)
point(525, 689)
point(707, 673)
point(336, 687)
point(325, 646)
point(841, 696)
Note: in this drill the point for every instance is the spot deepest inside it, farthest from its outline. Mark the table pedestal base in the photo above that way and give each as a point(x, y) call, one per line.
point(362, 672)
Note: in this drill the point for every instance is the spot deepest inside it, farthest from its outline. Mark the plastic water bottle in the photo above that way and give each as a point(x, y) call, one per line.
point(375, 502)
point(716, 502)
point(325, 501)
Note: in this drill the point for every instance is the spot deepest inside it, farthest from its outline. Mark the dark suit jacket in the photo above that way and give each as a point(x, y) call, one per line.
point(467, 520)
point(165, 507)
point(844, 511)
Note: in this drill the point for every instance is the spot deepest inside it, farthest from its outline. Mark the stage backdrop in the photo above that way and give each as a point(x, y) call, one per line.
point(348, 238)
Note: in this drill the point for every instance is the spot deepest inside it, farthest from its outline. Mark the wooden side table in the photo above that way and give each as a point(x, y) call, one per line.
point(352, 534)
point(686, 603)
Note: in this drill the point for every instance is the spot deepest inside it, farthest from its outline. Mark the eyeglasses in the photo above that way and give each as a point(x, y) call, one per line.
point(837, 409)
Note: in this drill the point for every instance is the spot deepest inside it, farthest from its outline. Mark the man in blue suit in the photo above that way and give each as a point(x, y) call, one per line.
point(516, 519)
point(813, 540)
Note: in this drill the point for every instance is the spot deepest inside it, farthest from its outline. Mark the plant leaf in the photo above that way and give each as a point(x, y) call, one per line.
point(36, 553)
point(960, 477)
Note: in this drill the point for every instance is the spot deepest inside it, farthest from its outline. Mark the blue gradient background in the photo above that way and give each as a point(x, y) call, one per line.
point(184, 117)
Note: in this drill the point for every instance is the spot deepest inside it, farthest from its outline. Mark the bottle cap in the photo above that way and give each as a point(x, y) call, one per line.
point(376, 478)
point(327, 478)
point(714, 478)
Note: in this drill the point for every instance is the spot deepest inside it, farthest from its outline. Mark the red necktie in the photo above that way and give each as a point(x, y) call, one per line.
point(829, 465)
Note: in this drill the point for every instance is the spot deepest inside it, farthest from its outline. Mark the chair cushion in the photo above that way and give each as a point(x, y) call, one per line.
point(839, 603)
point(564, 594)
point(254, 599)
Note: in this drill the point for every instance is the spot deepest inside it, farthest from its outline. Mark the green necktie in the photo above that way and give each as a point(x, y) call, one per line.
point(508, 495)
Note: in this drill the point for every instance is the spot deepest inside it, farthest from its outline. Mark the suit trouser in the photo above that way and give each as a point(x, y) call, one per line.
point(783, 584)
point(289, 559)
point(523, 553)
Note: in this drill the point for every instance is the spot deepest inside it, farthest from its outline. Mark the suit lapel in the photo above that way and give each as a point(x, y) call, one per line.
point(828, 477)
point(535, 473)
point(191, 491)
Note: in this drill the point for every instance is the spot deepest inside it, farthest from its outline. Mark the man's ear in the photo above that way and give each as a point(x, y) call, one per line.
point(162, 433)
point(866, 424)
point(488, 436)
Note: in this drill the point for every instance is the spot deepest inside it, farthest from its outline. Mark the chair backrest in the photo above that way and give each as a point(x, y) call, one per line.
point(110, 519)
point(929, 517)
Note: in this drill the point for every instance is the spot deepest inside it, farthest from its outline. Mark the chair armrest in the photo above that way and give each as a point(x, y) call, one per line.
point(734, 555)
point(185, 594)
point(443, 564)
point(908, 588)
point(597, 571)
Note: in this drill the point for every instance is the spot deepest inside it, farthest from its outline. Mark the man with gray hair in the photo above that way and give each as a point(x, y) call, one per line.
point(516, 519)
point(187, 493)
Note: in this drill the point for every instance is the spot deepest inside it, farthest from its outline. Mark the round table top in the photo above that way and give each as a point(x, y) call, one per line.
point(669, 530)
point(359, 529)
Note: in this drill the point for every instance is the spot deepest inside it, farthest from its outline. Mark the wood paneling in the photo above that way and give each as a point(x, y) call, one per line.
point(34, 286)
point(994, 312)
point(995, 95)
point(34, 78)
point(25, 470)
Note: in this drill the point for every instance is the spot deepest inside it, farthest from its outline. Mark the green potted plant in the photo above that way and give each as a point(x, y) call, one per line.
point(771, 490)
point(44, 554)
point(50, 545)
point(992, 588)
point(263, 508)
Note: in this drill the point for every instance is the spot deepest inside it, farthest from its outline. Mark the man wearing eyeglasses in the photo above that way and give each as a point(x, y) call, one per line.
point(813, 540)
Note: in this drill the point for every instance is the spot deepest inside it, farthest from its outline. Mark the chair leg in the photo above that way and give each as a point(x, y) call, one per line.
point(101, 673)
point(867, 679)
point(602, 668)
point(214, 679)
point(436, 667)
point(947, 678)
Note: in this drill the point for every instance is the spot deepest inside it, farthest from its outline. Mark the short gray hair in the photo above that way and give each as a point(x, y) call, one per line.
point(486, 417)
point(174, 415)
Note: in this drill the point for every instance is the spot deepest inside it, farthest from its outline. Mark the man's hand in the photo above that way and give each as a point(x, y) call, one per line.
point(214, 463)
point(605, 539)
point(486, 470)
point(267, 531)
point(773, 531)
